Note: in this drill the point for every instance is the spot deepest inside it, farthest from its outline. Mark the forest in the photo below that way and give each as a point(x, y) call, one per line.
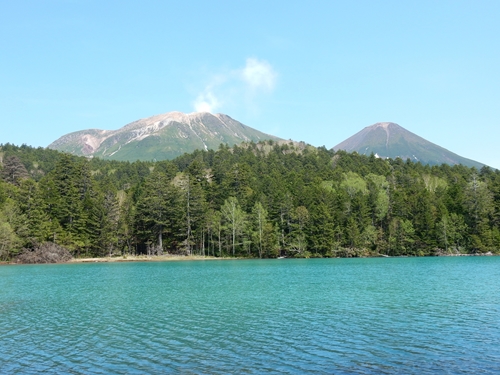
point(259, 200)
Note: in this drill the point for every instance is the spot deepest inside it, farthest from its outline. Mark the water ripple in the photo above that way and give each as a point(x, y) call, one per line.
point(361, 316)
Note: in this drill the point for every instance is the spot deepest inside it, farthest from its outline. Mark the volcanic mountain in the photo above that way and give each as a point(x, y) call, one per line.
point(389, 140)
point(160, 137)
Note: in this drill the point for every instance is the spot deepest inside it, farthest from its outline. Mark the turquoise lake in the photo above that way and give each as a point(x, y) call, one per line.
point(319, 316)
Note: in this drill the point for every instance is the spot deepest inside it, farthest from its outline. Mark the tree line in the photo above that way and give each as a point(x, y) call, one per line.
point(261, 200)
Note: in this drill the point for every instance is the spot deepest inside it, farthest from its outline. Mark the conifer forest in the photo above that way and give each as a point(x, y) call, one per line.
point(258, 200)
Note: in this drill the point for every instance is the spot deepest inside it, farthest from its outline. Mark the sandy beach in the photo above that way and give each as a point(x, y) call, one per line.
point(144, 258)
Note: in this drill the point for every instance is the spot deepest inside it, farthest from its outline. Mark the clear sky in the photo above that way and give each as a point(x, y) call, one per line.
point(313, 71)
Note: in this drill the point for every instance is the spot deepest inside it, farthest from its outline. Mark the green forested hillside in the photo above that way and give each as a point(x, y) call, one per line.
point(254, 200)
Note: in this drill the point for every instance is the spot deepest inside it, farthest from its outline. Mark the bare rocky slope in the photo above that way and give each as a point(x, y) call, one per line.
point(160, 137)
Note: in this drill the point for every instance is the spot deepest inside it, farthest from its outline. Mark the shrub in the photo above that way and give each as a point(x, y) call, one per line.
point(47, 252)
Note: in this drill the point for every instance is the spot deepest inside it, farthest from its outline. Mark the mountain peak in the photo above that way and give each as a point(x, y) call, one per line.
point(160, 137)
point(168, 117)
point(390, 140)
point(383, 125)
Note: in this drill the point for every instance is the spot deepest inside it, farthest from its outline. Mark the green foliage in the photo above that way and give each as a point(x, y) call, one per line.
point(13, 170)
point(158, 212)
point(8, 240)
point(256, 200)
point(234, 219)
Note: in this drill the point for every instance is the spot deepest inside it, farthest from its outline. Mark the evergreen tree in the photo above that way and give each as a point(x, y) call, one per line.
point(479, 206)
point(13, 170)
point(158, 212)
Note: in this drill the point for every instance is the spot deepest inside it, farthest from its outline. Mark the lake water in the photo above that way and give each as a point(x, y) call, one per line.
point(324, 316)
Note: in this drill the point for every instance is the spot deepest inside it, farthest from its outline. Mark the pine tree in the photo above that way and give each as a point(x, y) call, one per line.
point(32, 206)
point(13, 170)
point(158, 211)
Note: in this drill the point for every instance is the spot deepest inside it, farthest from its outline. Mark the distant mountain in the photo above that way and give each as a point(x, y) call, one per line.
point(160, 137)
point(389, 140)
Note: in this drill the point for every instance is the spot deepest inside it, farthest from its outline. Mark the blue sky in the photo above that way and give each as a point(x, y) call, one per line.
point(313, 71)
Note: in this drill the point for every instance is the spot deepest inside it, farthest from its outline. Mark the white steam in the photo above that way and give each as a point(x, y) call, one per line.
point(239, 86)
point(206, 102)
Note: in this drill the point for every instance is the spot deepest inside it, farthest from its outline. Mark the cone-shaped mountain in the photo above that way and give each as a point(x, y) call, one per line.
point(389, 140)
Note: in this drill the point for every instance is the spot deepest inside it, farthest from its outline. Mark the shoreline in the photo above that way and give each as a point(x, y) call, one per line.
point(176, 258)
point(143, 258)
point(129, 258)
point(180, 258)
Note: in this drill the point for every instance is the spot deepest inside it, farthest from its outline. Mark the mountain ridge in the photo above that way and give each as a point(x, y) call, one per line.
point(162, 136)
point(168, 135)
